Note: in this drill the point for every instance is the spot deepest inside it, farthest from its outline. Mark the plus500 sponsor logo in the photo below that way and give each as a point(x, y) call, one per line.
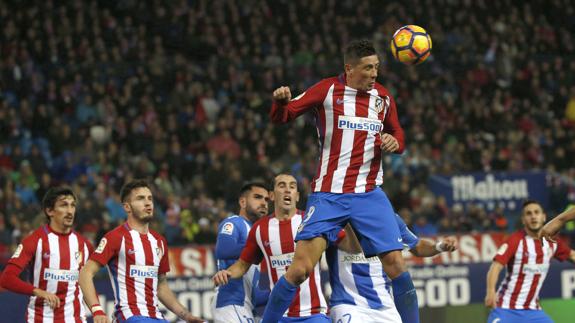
point(61, 275)
point(281, 260)
point(358, 123)
point(143, 271)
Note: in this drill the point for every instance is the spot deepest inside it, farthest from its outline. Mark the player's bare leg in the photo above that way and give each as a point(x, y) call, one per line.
point(404, 295)
point(307, 254)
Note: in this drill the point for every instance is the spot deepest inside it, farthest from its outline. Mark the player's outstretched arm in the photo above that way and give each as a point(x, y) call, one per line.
point(551, 228)
point(10, 280)
point(167, 297)
point(429, 248)
point(492, 276)
point(237, 270)
point(89, 290)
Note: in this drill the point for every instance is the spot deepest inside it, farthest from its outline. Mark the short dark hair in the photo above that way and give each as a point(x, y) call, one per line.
point(529, 202)
point(132, 185)
point(52, 195)
point(249, 186)
point(357, 49)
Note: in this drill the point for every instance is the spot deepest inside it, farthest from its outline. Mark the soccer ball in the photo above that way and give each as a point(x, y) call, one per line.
point(411, 45)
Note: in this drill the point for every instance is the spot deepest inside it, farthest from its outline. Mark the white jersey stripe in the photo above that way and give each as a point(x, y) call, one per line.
point(37, 270)
point(155, 245)
point(347, 280)
point(122, 280)
point(140, 258)
point(368, 152)
point(52, 285)
point(329, 115)
point(347, 141)
point(70, 297)
point(513, 281)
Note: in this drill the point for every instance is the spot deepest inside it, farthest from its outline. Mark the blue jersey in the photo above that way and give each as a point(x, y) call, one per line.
point(360, 281)
point(232, 237)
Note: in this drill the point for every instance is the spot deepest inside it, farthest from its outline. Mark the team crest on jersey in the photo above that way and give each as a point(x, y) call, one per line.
point(228, 228)
point(18, 251)
point(101, 246)
point(159, 252)
point(381, 103)
point(78, 256)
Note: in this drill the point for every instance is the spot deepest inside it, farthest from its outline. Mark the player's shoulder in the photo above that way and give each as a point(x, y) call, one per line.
point(381, 90)
point(36, 235)
point(514, 238)
point(117, 233)
point(264, 220)
point(157, 235)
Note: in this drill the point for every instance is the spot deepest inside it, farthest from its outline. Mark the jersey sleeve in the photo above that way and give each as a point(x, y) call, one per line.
point(507, 250)
point(165, 261)
point(228, 244)
point(563, 251)
point(308, 100)
point(409, 238)
point(108, 247)
point(25, 251)
point(392, 126)
point(252, 253)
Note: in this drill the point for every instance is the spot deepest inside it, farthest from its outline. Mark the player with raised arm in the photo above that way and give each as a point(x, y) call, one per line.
point(551, 228)
point(527, 259)
point(357, 121)
point(235, 301)
point(271, 241)
point(54, 254)
point(360, 287)
point(137, 261)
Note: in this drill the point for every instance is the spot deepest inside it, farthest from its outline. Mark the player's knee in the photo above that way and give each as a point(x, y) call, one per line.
point(393, 263)
point(298, 272)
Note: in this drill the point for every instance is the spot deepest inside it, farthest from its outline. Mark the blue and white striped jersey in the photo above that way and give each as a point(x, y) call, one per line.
point(360, 281)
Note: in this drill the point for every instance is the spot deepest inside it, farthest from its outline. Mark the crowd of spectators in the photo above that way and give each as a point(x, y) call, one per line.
point(97, 92)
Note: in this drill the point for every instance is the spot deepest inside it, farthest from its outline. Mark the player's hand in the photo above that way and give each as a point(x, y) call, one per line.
point(490, 299)
point(101, 319)
point(550, 229)
point(51, 299)
point(282, 94)
point(221, 277)
point(388, 143)
point(449, 244)
point(192, 319)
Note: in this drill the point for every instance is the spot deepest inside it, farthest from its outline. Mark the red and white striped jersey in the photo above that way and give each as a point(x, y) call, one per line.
point(134, 262)
point(349, 125)
point(272, 241)
point(55, 260)
point(527, 260)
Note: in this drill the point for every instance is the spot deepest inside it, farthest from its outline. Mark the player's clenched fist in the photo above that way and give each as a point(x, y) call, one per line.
point(388, 143)
point(282, 94)
point(221, 277)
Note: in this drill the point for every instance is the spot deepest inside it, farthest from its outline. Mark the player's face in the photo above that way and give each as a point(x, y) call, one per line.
point(140, 204)
point(285, 194)
point(362, 74)
point(63, 213)
point(533, 217)
point(255, 203)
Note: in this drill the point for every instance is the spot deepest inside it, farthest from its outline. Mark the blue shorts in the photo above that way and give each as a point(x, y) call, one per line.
point(317, 318)
point(143, 319)
point(518, 316)
point(370, 214)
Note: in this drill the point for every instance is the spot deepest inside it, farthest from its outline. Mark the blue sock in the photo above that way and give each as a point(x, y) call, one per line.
point(405, 298)
point(279, 301)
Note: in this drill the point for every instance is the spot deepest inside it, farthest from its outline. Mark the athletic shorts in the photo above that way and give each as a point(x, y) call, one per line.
point(232, 314)
point(345, 313)
point(317, 318)
point(503, 315)
point(370, 214)
point(143, 319)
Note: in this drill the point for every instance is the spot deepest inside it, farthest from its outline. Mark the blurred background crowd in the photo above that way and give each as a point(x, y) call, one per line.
point(97, 92)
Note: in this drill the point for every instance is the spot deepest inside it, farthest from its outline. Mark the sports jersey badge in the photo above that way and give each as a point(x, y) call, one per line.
point(228, 228)
point(18, 251)
point(101, 246)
